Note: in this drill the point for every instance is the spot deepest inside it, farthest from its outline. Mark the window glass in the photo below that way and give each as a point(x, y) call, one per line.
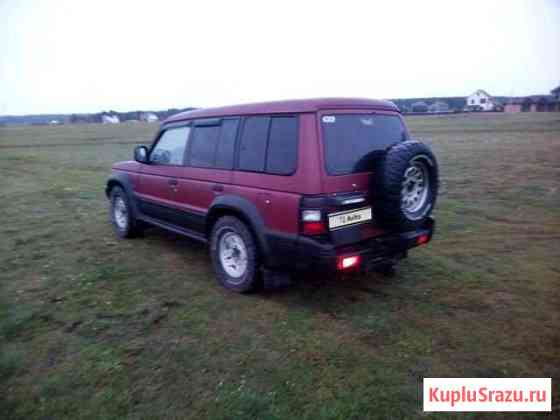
point(353, 141)
point(226, 147)
point(170, 148)
point(282, 146)
point(203, 146)
point(253, 144)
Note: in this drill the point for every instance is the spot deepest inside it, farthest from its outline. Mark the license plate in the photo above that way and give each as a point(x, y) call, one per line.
point(351, 217)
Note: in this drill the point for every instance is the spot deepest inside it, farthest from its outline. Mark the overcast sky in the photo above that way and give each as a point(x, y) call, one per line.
point(88, 56)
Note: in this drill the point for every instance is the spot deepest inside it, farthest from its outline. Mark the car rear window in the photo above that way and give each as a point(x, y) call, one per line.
point(353, 141)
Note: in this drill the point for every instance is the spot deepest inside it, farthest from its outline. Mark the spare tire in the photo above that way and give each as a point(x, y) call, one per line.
point(405, 186)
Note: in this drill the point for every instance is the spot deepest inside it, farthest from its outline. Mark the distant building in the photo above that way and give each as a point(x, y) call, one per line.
point(419, 106)
point(481, 100)
point(149, 117)
point(518, 105)
point(535, 103)
point(109, 119)
point(439, 106)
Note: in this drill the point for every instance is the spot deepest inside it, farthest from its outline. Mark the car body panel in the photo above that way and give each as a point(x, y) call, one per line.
point(188, 199)
point(297, 106)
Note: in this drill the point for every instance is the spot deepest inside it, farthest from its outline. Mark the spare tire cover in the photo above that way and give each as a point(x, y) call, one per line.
point(405, 186)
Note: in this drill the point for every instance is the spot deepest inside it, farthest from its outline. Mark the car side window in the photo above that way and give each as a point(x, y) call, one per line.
point(269, 144)
point(203, 146)
point(226, 147)
point(253, 143)
point(213, 143)
point(281, 155)
point(170, 148)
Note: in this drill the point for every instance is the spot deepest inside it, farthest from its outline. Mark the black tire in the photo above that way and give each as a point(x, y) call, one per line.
point(132, 228)
point(388, 185)
point(249, 281)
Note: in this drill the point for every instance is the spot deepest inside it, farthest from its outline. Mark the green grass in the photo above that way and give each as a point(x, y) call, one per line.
point(95, 327)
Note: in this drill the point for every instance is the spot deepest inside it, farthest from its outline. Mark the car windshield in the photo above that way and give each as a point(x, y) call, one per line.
point(353, 141)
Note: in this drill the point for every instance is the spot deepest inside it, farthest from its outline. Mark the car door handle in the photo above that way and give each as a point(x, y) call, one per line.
point(217, 188)
point(172, 182)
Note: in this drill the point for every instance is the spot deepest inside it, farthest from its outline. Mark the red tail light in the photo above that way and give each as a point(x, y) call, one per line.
point(312, 222)
point(345, 263)
point(314, 228)
point(422, 239)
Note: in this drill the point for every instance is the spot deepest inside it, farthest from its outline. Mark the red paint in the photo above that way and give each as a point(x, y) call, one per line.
point(292, 106)
point(277, 198)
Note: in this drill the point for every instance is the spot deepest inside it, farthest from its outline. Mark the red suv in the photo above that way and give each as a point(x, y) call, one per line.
point(322, 184)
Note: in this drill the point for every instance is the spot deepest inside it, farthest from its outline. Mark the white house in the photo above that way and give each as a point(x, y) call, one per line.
point(480, 101)
point(110, 119)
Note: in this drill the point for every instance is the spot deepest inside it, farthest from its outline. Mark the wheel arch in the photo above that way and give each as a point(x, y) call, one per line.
point(122, 180)
point(245, 211)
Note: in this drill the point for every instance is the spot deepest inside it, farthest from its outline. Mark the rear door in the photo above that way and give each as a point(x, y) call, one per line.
point(267, 169)
point(352, 142)
point(158, 180)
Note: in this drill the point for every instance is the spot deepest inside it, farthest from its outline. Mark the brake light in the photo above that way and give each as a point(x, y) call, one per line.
point(313, 228)
point(422, 239)
point(345, 263)
point(312, 223)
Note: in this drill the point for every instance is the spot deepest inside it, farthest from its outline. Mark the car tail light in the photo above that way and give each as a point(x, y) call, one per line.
point(422, 239)
point(312, 223)
point(345, 263)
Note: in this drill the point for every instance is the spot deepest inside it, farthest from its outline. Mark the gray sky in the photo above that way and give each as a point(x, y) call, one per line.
point(87, 56)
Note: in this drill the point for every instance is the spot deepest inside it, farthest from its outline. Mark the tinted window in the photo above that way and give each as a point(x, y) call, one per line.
point(226, 147)
point(253, 144)
point(203, 146)
point(281, 157)
point(353, 141)
point(170, 148)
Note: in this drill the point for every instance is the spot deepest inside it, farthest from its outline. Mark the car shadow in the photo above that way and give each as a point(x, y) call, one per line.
point(332, 294)
point(326, 293)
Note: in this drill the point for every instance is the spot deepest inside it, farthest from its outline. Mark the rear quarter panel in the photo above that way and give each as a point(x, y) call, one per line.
point(278, 197)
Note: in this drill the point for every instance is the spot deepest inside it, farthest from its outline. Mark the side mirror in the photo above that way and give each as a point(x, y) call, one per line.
point(141, 154)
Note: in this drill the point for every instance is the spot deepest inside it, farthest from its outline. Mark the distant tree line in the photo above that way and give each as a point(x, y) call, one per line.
point(42, 119)
point(123, 116)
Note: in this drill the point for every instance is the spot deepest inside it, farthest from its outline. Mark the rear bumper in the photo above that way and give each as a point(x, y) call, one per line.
point(373, 252)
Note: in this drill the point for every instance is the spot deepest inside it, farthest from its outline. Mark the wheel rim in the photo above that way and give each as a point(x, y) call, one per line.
point(120, 211)
point(415, 188)
point(233, 255)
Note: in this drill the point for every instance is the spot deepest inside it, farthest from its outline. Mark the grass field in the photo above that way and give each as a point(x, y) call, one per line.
point(95, 327)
